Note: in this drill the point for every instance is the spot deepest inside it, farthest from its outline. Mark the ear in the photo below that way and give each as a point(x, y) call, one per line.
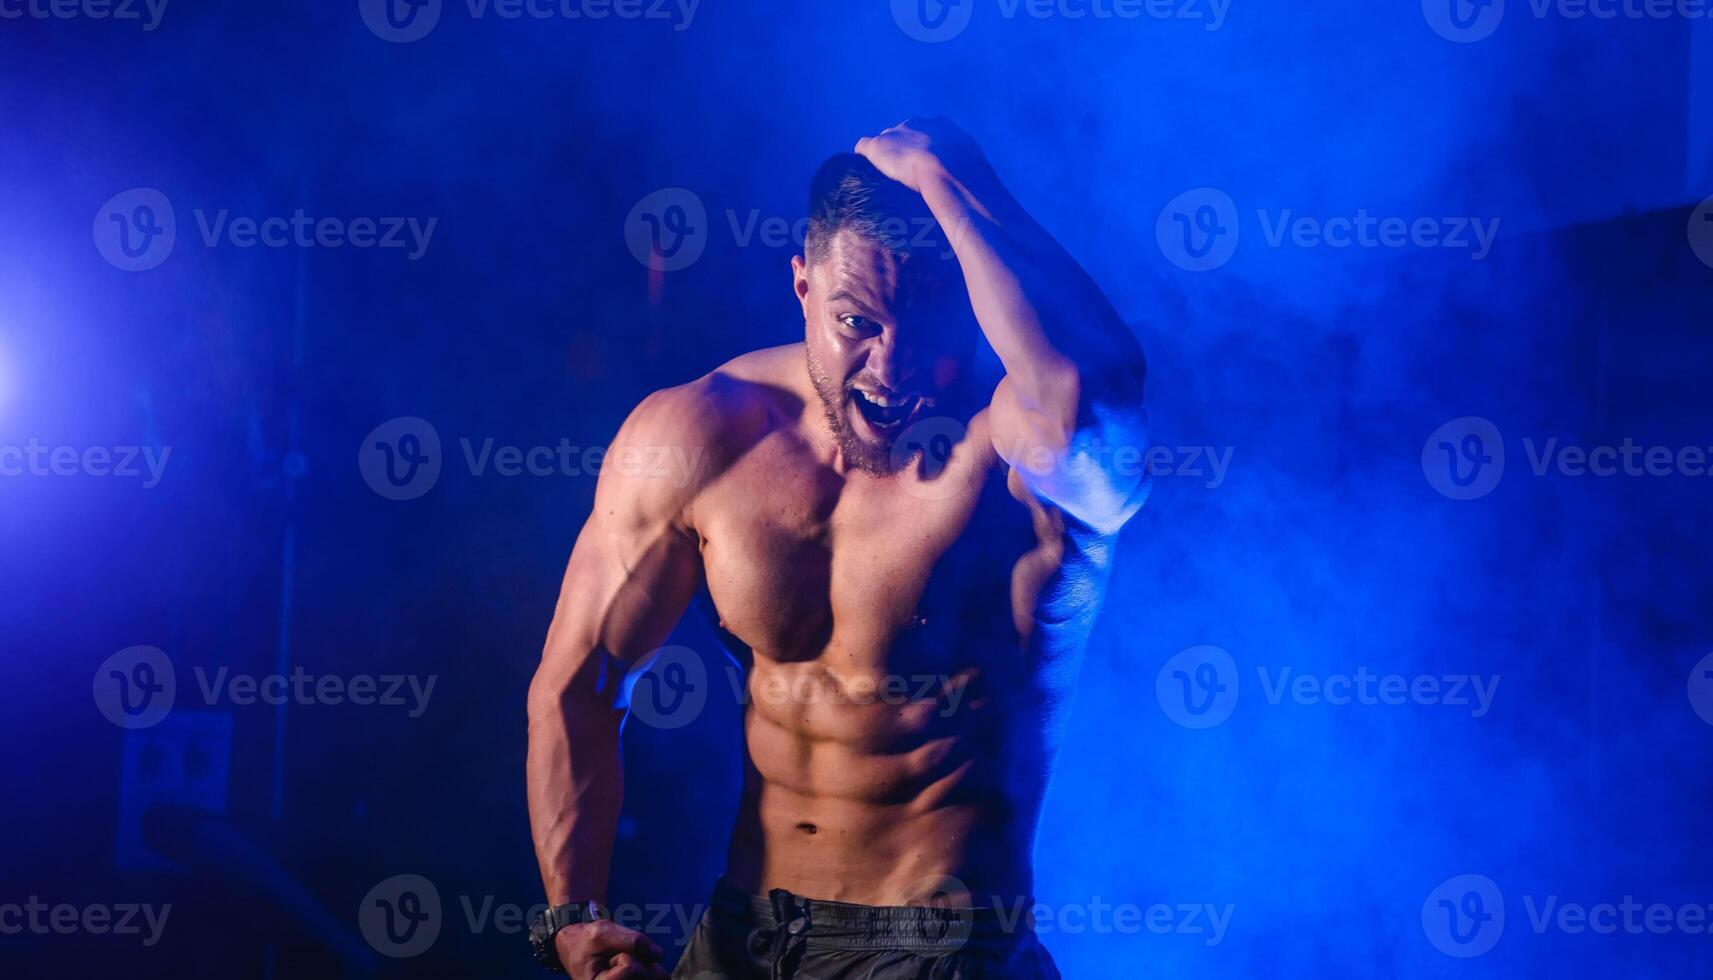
point(800, 283)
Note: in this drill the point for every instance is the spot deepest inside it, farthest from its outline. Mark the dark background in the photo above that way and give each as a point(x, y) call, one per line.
point(529, 320)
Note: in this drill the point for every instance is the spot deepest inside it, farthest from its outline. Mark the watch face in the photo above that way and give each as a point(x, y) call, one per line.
point(541, 942)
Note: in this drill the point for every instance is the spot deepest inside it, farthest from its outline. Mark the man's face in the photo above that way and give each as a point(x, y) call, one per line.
point(889, 338)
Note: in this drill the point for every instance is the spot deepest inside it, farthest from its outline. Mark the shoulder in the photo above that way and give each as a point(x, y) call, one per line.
point(728, 403)
point(704, 425)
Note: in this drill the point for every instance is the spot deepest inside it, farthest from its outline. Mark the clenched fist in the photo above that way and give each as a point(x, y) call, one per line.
point(605, 950)
point(911, 150)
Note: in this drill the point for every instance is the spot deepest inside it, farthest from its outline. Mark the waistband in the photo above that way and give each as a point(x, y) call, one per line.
point(844, 925)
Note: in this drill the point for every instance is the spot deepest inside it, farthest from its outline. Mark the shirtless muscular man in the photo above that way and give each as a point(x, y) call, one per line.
point(868, 505)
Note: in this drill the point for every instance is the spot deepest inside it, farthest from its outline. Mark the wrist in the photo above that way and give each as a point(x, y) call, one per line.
point(550, 925)
point(928, 171)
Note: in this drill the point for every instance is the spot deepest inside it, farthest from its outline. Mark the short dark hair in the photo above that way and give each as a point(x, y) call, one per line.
point(848, 192)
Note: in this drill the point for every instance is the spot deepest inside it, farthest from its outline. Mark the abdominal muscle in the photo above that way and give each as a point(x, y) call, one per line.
point(882, 795)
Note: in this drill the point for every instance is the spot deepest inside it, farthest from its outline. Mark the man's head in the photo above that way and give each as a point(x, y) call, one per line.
point(887, 321)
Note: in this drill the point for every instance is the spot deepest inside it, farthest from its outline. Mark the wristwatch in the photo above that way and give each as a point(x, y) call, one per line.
point(548, 923)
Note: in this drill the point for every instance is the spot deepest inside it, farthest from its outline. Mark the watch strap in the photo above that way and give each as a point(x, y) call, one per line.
point(551, 920)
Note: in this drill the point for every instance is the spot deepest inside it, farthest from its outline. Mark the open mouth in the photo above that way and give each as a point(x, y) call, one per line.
point(886, 413)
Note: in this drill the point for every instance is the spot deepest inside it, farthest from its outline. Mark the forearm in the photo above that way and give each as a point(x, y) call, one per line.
point(1050, 324)
point(1073, 371)
point(575, 778)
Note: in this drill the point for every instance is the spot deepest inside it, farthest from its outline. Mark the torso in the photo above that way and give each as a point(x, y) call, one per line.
point(904, 694)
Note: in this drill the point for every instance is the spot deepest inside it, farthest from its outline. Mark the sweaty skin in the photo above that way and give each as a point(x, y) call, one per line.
point(911, 599)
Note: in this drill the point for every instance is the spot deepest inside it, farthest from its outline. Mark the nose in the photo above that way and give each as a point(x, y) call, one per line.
point(891, 361)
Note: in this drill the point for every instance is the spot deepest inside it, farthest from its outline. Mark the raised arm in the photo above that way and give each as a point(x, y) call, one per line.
point(632, 572)
point(1072, 392)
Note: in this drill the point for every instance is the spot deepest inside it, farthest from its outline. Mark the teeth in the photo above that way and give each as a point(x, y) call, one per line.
point(886, 402)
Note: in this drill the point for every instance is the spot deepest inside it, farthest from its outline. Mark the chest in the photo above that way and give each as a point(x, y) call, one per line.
point(801, 561)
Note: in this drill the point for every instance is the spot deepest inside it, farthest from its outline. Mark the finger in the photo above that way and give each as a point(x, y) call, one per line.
point(645, 949)
point(625, 967)
point(593, 966)
point(641, 965)
point(616, 938)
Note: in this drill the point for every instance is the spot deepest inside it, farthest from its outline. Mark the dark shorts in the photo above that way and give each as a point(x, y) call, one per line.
point(746, 937)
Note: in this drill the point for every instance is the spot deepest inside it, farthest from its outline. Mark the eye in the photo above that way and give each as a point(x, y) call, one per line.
point(859, 324)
